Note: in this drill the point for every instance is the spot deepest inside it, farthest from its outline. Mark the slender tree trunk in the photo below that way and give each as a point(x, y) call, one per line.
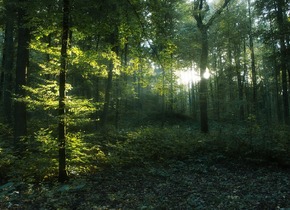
point(140, 88)
point(97, 98)
point(253, 65)
point(1, 83)
point(20, 126)
point(97, 91)
point(108, 92)
point(240, 84)
point(62, 172)
point(283, 56)
point(246, 91)
point(218, 89)
point(287, 38)
point(163, 98)
point(277, 93)
point(8, 60)
point(203, 82)
point(171, 85)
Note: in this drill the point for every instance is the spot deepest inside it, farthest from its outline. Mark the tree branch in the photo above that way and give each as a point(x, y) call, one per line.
point(142, 25)
point(216, 14)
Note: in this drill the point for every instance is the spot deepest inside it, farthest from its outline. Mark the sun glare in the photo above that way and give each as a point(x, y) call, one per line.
point(187, 76)
point(206, 74)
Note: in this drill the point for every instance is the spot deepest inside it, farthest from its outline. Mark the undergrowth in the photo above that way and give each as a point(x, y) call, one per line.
point(89, 153)
point(151, 144)
point(153, 152)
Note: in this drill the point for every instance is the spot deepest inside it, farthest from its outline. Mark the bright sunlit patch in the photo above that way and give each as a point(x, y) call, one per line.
point(186, 77)
point(206, 74)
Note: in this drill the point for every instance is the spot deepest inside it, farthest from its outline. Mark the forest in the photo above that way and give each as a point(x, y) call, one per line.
point(144, 104)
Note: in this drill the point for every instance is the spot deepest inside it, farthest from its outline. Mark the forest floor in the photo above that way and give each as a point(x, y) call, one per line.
point(205, 182)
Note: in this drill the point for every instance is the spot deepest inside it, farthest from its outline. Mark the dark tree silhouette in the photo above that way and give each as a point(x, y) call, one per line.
point(62, 175)
point(200, 8)
point(20, 125)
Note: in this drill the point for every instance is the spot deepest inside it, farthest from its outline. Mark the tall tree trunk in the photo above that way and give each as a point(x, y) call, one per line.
point(253, 65)
point(277, 93)
point(8, 59)
point(20, 126)
point(62, 172)
point(171, 101)
point(245, 81)
point(108, 92)
point(194, 99)
point(163, 98)
point(240, 84)
point(200, 7)
point(219, 99)
point(203, 82)
point(281, 26)
point(140, 90)
point(1, 82)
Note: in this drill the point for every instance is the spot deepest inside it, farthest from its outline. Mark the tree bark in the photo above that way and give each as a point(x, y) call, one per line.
point(62, 172)
point(253, 65)
point(8, 60)
point(20, 124)
point(108, 92)
point(200, 7)
point(171, 100)
point(203, 91)
point(240, 84)
point(281, 26)
point(203, 28)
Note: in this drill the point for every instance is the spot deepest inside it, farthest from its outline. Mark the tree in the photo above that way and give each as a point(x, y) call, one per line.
point(283, 57)
point(274, 36)
point(20, 121)
point(200, 9)
point(62, 173)
point(8, 60)
point(253, 65)
point(226, 47)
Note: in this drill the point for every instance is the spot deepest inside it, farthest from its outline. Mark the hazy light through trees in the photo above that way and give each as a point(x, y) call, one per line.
point(206, 74)
point(188, 76)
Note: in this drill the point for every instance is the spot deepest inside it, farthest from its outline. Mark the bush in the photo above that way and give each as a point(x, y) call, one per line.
point(254, 142)
point(6, 153)
point(150, 144)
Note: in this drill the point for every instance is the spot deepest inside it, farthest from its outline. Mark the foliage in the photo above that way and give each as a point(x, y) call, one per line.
point(253, 142)
point(39, 162)
point(6, 153)
point(83, 157)
point(7, 159)
point(5, 132)
point(154, 144)
point(200, 182)
point(146, 156)
point(151, 144)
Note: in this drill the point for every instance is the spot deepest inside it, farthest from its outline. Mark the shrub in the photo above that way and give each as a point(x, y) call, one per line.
point(151, 144)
